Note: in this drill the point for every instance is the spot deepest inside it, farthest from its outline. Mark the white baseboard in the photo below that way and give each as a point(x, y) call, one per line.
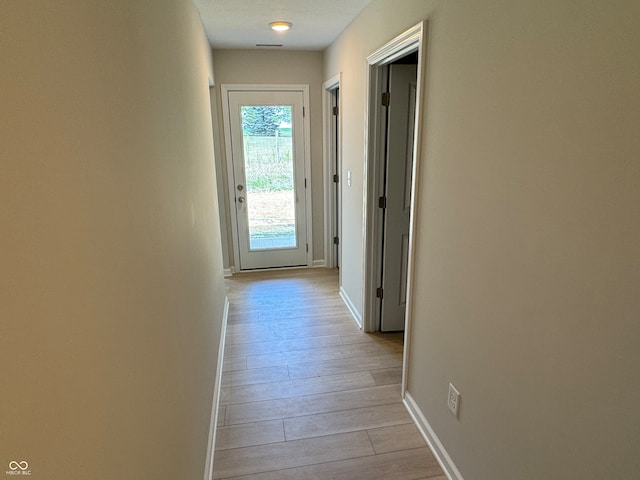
point(445, 461)
point(213, 426)
point(352, 308)
point(228, 272)
point(319, 263)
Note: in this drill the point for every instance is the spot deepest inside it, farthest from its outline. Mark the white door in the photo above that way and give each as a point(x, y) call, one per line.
point(398, 170)
point(268, 192)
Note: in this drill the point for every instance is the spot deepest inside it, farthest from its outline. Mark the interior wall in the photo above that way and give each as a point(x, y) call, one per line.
point(273, 67)
point(111, 292)
point(526, 257)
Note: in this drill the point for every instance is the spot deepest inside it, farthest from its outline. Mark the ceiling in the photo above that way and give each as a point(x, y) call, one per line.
point(245, 23)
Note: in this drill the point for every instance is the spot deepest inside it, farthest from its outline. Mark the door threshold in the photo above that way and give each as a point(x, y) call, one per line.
point(272, 269)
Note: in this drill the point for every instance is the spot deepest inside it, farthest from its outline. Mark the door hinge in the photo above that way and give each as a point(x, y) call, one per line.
point(379, 292)
point(305, 183)
point(336, 240)
point(304, 114)
point(336, 111)
point(336, 179)
point(307, 248)
point(382, 202)
point(386, 99)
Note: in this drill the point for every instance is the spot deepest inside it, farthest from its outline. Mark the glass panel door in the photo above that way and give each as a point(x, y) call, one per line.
point(267, 143)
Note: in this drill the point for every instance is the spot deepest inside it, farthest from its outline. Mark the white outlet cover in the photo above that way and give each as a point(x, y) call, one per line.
point(453, 400)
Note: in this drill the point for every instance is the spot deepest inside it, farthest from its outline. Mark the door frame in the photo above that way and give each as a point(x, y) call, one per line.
point(331, 151)
point(225, 89)
point(412, 40)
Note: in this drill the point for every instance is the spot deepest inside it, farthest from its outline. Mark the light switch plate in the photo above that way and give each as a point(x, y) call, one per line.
point(453, 401)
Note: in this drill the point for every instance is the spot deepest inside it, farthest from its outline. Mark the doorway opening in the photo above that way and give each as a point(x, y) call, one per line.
point(393, 147)
point(267, 139)
point(394, 202)
point(332, 172)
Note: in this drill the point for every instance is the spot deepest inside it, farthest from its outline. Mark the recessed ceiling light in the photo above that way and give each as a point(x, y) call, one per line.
point(280, 26)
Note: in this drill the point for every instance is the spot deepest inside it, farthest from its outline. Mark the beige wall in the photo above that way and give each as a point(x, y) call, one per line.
point(272, 67)
point(527, 261)
point(111, 293)
point(374, 27)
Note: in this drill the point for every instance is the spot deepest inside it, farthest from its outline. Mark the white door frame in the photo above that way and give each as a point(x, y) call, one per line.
point(304, 89)
point(331, 205)
point(408, 42)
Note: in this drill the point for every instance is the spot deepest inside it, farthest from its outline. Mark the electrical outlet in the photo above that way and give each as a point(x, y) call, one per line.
point(453, 401)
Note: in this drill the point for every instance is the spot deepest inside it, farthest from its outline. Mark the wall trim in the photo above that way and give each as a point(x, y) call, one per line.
point(228, 272)
point(215, 405)
point(398, 47)
point(352, 308)
point(436, 446)
point(319, 263)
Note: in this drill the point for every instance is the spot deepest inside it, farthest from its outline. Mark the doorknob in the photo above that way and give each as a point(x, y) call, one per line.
point(241, 199)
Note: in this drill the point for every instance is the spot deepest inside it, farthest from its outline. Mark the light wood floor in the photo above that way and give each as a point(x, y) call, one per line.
point(305, 394)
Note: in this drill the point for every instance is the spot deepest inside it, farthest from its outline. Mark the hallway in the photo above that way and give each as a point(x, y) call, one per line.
point(305, 394)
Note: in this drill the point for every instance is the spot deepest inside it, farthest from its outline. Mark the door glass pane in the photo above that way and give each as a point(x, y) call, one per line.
point(268, 158)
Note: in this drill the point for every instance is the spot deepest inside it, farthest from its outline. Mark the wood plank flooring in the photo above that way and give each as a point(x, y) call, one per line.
point(305, 394)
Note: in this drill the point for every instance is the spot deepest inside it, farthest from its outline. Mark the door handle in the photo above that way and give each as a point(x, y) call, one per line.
point(241, 199)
